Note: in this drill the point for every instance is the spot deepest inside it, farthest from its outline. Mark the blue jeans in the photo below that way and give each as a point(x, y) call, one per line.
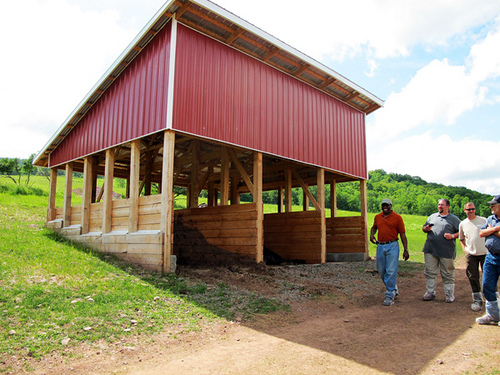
point(387, 266)
point(491, 273)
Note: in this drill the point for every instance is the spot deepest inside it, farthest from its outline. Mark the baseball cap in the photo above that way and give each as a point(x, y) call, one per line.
point(495, 200)
point(388, 201)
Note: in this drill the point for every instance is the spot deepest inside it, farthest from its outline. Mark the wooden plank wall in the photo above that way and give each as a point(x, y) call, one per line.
point(96, 212)
point(294, 235)
point(119, 214)
point(346, 234)
point(149, 212)
point(216, 234)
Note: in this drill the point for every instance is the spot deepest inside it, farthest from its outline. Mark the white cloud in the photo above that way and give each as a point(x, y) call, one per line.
point(437, 94)
point(51, 65)
point(343, 29)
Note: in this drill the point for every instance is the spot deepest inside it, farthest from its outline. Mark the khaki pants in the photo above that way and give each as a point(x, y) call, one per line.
point(445, 265)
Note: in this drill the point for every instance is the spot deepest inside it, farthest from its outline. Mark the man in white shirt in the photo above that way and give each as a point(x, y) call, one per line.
point(475, 251)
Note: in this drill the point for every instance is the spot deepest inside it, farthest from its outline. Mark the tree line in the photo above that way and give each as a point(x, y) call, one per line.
point(409, 194)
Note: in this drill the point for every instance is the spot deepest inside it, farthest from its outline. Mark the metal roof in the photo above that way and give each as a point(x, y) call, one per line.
point(224, 26)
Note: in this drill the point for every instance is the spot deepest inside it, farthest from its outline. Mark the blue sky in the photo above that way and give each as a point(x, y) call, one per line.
point(436, 64)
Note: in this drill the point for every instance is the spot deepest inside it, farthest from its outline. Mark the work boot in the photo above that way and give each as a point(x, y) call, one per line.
point(449, 291)
point(477, 302)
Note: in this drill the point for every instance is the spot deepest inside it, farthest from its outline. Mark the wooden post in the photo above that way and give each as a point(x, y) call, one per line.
point(135, 170)
point(148, 170)
point(224, 178)
point(87, 193)
point(288, 190)
point(320, 178)
point(68, 188)
point(280, 199)
point(305, 200)
point(235, 195)
point(257, 198)
point(333, 198)
point(167, 197)
point(107, 215)
point(194, 190)
point(364, 214)
point(51, 212)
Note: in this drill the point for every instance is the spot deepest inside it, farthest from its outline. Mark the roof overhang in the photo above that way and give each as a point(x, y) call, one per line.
point(224, 26)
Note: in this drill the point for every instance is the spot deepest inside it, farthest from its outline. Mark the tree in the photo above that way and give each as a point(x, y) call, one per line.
point(28, 168)
point(10, 168)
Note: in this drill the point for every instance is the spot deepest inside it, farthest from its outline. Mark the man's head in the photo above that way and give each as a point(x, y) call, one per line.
point(470, 210)
point(495, 205)
point(386, 206)
point(444, 206)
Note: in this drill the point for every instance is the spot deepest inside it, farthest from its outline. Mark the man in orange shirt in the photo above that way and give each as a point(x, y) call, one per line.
point(389, 225)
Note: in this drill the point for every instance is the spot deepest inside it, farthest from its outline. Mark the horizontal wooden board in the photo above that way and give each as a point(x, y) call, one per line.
point(149, 199)
point(218, 242)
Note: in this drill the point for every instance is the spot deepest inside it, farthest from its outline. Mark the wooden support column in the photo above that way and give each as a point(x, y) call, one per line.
point(149, 157)
point(87, 193)
point(364, 213)
point(68, 188)
point(288, 190)
point(212, 192)
point(194, 189)
point(107, 214)
point(134, 178)
point(235, 195)
point(320, 180)
point(257, 198)
point(224, 178)
point(305, 200)
point(167, 197)
point(333, 198)
point(280, 199)
point(51, 212)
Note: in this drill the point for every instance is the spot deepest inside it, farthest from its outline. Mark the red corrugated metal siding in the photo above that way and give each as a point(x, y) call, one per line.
point(223, 94)
point(135, 105)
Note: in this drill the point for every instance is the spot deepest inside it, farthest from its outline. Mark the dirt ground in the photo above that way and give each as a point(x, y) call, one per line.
point(337, 324)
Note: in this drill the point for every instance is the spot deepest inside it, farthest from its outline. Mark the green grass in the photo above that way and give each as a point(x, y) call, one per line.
point(53, 290)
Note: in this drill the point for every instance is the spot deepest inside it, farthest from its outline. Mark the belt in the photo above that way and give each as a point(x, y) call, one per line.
point(385, 243)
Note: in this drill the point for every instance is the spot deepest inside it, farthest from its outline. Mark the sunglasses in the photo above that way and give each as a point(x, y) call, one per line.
point(469, 209)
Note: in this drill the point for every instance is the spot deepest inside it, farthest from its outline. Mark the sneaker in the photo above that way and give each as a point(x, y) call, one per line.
point(450, 299)
point(388, 301)
point(396, 293)
point(429, 296)
point(486, 319)
point(477, 306)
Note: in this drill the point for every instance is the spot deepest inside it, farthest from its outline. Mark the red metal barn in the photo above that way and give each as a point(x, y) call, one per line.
point(204, 100)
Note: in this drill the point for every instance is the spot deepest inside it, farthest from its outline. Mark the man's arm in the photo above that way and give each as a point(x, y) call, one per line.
point(489, 231)
point(404, 241)
point(373, 230)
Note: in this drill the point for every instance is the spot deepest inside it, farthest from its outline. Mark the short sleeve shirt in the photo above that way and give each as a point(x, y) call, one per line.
point(492, 242)
point(389, 226)
point(436, 244)
point(469, 232)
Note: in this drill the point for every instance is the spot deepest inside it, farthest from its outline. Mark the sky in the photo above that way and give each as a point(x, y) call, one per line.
point(434, 63)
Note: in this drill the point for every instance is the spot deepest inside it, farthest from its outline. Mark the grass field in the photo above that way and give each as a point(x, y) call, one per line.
point(55, 293)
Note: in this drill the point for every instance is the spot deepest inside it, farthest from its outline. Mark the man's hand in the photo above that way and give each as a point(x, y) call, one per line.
point(406, 255)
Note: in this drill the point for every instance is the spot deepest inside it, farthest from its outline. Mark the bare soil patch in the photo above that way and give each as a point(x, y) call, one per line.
point(336, 324)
